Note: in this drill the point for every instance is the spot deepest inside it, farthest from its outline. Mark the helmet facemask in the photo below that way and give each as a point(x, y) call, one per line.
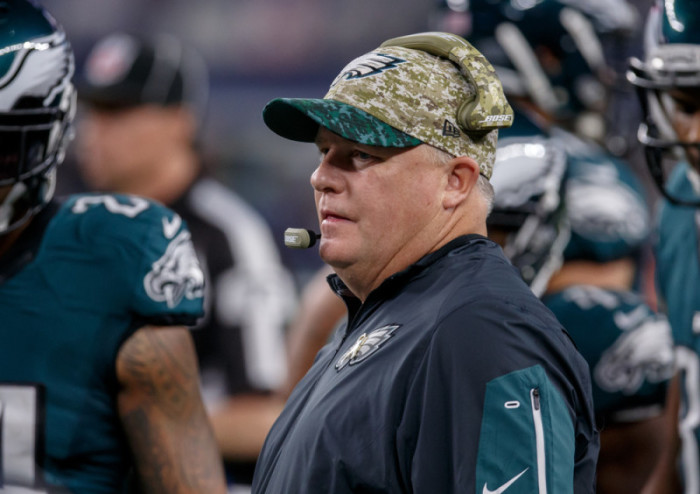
point(672, 65)
point(664, 148)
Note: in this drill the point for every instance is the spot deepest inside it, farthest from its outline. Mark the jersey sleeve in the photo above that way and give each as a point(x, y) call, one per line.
point(500, 410)
point(146, 250)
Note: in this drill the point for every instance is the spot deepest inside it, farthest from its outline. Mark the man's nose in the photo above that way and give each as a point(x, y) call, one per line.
point(326, 176)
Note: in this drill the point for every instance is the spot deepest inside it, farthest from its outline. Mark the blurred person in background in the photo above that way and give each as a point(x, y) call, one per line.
point(538, 203)
point(144, 101)
point(99, 385)
point(668, 83)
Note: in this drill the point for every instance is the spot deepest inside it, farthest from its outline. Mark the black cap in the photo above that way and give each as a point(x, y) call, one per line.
point(123, 71)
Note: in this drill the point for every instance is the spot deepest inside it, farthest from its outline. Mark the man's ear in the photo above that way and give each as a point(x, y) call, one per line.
point(463, 172)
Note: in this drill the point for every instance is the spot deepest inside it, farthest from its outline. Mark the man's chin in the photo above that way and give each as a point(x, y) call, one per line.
point(332, 253)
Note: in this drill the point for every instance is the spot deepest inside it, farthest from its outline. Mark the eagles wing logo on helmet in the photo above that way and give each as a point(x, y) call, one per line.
point(606, 211)
point(41, 68)
point(366, 345)
point(177, 274)
point(526, 170)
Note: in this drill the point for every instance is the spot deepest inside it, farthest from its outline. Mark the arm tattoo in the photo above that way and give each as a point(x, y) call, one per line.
point(165, 371)
point(163, 415)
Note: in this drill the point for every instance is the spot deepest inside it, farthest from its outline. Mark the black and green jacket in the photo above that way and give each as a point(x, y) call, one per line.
point(452, 377)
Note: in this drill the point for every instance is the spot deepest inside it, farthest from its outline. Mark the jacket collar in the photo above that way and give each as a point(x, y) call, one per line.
point(397, 280)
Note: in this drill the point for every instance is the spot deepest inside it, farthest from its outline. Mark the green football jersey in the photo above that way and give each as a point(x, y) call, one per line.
point(82, 278)
point(678, 281)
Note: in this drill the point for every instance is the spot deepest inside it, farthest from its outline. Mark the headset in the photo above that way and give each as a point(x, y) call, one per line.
point(488, 109)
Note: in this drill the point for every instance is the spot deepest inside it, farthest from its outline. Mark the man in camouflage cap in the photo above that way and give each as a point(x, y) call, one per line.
point(450, 375)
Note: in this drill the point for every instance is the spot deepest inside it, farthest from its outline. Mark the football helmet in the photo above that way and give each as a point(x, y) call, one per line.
point(606, 208)
point(528, 217)
point(552, 52)
point(37, 106)
point(671, 67)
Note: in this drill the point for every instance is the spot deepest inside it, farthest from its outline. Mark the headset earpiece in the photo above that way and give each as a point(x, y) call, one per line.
point(488, 109)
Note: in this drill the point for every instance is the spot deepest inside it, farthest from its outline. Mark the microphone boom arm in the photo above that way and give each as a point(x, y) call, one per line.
point(300, 238)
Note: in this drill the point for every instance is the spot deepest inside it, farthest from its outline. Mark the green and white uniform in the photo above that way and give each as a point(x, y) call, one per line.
point(77, 284)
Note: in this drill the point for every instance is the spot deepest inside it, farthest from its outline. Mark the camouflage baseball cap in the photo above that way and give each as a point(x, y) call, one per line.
point(432, 88)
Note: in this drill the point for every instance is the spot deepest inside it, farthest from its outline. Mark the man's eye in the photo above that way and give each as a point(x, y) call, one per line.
point(363, 156)
point(687, 107)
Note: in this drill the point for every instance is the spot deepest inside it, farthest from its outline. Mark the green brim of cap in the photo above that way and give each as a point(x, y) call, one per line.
point(298, 119)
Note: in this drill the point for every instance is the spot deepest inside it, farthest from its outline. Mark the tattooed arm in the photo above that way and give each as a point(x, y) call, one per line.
point(163, 415)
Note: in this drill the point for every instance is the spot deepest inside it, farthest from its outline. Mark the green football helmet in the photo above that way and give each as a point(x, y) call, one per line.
point(37, 106)
point(671, 66)
point(529, 215)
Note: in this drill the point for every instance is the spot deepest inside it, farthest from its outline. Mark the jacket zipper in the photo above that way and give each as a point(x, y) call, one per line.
point(539, 441)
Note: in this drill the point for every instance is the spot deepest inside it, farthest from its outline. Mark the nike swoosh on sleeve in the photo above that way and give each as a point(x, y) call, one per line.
point(170, 228)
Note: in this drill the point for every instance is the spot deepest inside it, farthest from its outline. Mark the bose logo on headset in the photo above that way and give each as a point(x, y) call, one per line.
point(497, 118)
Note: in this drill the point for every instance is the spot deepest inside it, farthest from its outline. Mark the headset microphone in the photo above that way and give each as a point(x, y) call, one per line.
point(300, 238)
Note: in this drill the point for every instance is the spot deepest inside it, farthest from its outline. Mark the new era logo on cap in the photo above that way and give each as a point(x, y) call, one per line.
point(450, 130)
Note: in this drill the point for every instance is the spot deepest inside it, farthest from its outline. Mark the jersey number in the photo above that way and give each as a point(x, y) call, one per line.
point(21, 437)
point(137, 205)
